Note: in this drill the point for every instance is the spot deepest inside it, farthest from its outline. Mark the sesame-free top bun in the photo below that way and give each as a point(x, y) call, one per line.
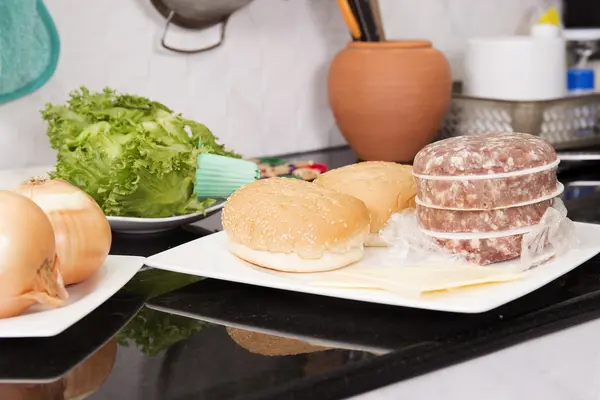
point(291, 225)
point(385, 187)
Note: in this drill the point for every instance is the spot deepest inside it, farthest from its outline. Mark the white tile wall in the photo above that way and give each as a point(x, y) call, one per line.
point(263, 92)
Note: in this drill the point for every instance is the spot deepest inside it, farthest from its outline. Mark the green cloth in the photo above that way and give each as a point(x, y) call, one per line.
point(29, 47)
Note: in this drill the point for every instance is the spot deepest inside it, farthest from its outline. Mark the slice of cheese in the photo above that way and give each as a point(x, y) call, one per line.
point(416, 280)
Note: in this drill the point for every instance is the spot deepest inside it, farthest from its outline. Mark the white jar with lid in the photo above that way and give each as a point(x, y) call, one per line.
point(517, 68)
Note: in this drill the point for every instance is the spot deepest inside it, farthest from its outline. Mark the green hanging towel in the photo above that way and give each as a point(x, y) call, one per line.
point(29, 47)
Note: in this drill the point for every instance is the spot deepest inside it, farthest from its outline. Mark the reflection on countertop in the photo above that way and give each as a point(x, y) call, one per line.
point(168, 356)
point(201, 338)
point(78, 383)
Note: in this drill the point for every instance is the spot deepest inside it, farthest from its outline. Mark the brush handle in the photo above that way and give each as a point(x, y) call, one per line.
point(350, 19)
point(378, 20)
point(366, 20)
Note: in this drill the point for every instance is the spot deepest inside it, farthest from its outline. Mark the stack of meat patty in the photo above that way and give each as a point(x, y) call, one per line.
point(478, 195)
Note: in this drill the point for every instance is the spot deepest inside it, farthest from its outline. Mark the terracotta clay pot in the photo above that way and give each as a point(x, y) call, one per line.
point(389, 98)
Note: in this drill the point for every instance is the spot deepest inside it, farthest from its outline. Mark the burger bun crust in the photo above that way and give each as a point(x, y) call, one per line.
point(291, 225)
point(386, 188)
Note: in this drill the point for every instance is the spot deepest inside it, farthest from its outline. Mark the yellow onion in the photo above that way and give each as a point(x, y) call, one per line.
point(28, 264)
point(82, 232)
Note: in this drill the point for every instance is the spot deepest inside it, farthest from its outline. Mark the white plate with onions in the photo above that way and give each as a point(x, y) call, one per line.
point(54, 263)
point(84, 297)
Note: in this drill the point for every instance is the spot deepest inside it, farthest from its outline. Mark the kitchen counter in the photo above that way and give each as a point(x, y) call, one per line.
point(559, 366)
point(173, 336)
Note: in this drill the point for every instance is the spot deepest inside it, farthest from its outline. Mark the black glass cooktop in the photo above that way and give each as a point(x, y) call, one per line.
point(206, 339)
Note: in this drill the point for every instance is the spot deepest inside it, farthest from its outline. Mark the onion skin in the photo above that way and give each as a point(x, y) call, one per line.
point(28, 264)
point(83, 235)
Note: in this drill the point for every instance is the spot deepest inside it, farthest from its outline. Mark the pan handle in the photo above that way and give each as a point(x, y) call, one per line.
point(164, 44)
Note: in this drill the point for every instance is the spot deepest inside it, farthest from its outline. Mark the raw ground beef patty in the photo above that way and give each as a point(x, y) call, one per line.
point(486, 194)
point(435, 219)
point(487, 154)
point(459, 190)
point(490, 153)
point(485, 251)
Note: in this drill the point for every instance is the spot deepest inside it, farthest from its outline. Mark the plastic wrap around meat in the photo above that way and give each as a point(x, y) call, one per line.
point(485, 184)
point(485, 171)
point(410, 244)
point(441, 220)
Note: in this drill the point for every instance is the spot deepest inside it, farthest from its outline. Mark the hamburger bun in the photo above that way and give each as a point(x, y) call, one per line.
point(385, 187)
point(291, 225)
point(270, 345)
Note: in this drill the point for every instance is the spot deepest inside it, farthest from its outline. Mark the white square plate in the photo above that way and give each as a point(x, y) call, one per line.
point(209, 257)
point(84, 298)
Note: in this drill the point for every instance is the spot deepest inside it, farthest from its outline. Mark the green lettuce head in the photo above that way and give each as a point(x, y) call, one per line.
point(134, 156)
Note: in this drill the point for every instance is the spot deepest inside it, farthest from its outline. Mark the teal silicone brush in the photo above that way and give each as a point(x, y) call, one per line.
point(220, 176)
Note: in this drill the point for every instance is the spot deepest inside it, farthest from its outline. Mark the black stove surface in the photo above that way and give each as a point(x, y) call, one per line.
point(207, 339)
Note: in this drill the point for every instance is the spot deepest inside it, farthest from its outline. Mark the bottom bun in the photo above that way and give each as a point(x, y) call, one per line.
point(292, 262)
point(375, 240)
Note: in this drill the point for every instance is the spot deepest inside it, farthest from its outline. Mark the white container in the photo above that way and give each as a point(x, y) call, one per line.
point(517, 68)
point(583, 50)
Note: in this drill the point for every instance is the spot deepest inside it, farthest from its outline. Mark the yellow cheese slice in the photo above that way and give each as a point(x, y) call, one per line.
point(416, 280)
